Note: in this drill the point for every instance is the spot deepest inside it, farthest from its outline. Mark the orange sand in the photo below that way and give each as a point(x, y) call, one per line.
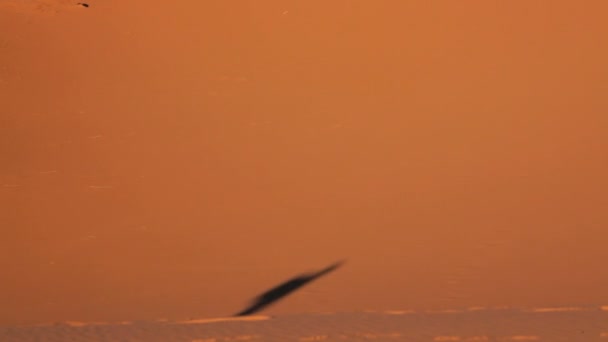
point(174, 159)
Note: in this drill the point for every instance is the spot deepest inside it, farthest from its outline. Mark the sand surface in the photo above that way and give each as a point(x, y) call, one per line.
point(176, 158)
point(508, 325)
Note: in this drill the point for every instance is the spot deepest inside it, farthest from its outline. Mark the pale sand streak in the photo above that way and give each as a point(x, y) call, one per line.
point(223, 319)
point(556, 309)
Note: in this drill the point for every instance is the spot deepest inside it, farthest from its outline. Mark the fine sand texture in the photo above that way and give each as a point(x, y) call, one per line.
point(178, 158)
point(504, 325)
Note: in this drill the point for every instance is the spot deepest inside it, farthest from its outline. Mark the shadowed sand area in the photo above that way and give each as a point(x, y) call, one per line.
point(582, 325)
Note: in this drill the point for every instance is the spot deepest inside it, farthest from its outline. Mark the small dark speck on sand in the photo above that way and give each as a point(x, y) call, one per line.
point(83, 4)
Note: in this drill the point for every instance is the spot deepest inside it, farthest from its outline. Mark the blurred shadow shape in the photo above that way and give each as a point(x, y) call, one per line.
point(282, 290)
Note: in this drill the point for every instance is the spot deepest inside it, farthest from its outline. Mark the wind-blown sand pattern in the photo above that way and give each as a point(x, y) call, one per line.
point(583, 325)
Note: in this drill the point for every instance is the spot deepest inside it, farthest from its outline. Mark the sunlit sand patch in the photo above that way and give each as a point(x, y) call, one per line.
point(556, 309)
point(604, 307)
point(524, 338)
point(78, 324)
point(314, 338)
point(242, 338)
point(393, 335)
point(604, 334)
point(476, 308)
point(375, 336)
point(224, 319)
point(447, 338)
point(399, 312)
point(477, 338)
